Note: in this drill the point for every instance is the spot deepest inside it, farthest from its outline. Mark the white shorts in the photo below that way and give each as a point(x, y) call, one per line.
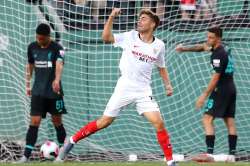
point(125, 94)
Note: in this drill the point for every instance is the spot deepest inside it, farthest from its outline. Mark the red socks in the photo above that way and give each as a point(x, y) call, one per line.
point(162, 137)
point(85, 131)
point(165, 144)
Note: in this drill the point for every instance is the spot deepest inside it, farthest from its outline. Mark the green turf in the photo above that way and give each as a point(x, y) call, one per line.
point(124, 164)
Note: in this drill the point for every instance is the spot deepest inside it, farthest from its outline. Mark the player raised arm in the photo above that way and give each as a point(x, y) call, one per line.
point(195, 48)
point(29, 71)
point(107, 35)
point(164, 75)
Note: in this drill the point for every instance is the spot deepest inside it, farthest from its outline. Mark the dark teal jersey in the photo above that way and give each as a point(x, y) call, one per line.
point(222, 62)
point(222, 101)
point(44, 60)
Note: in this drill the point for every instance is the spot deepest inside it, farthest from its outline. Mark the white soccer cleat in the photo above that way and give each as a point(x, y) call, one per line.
point(63, 152)
point(58, 159)
point(171, 163)
point(230, 158)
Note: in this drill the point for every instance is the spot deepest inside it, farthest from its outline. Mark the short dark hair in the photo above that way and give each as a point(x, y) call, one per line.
point(216, 30)
point(43, 29)
point(152, 15)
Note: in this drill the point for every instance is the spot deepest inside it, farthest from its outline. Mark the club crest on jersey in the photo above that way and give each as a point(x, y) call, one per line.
point(216, 62)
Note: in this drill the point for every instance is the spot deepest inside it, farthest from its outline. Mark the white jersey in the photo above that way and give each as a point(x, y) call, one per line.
point(138, 58)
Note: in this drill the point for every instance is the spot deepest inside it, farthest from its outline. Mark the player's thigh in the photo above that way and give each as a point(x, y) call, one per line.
point(207, 120)
point(155, 119)
point(38, 106)
point(230, 122)
point(56, 106)
point(146, 104)
point(118, 101)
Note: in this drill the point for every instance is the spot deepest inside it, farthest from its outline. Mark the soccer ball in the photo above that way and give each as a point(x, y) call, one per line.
point(49, 150)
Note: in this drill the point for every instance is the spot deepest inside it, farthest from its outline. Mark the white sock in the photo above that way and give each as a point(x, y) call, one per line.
point(71, 140)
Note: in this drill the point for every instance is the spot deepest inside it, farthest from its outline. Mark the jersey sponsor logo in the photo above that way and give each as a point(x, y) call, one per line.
point(216, 62)
point(143, 57)
point(136, 46)
point(43, 64)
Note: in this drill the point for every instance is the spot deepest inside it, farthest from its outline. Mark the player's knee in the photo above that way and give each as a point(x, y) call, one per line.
point(56, 120)
point(57, 123)
point(104, 122)
point(35, 122)
point(207, 120)
point(232, 130)
point(159, 125)
point(231, 126)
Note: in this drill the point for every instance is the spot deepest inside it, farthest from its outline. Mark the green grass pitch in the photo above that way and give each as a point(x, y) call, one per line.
point(124, 164)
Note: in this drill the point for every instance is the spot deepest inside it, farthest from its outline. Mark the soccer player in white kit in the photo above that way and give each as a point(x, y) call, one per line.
point(141, 51)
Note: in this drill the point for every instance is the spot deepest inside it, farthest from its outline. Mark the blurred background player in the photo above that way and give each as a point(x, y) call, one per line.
point(206, 9)
point(221, 89)
point(141, 51)
point(188, 8)
point(46, 58)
